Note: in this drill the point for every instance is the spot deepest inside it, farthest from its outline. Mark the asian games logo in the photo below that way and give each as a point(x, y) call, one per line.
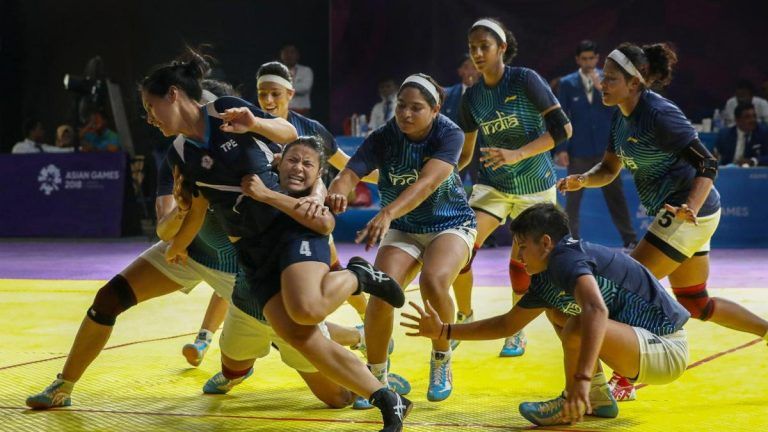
point(49, 178)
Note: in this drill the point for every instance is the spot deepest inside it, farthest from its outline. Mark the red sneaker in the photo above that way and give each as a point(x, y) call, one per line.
point(621, 389)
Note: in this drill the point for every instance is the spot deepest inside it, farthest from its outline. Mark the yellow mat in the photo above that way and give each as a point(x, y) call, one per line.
point(143, 383)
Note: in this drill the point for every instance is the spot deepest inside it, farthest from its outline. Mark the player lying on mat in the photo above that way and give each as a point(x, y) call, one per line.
point(603, 304)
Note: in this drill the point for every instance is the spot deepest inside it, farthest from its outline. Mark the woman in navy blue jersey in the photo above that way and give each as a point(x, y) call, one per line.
point(674, 174)
point(425, 222)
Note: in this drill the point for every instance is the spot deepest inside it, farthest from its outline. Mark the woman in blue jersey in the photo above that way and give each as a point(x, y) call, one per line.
point(425, 222)
point(520, 120)
point(674, 174)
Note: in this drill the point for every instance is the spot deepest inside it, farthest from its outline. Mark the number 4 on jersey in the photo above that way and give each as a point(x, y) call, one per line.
point(304, 248)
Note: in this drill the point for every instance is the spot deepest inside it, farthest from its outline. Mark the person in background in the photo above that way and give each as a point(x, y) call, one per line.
point(745, 93)
point(65, 137)
point(96, 136)
point(746, 143)
point(469, 76)
point(580, 95)
point(384, 110)
point(302, 78)
point(34, 135)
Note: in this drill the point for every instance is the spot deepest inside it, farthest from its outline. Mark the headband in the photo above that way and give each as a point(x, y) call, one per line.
point(425, 84)
point(277, 79)
point(493, 26)
point(626, 64)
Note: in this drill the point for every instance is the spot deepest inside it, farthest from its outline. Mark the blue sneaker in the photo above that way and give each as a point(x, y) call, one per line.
point(55, 395)
point(195, 352)
point(547, 413)
point(462, 319)
point(514, 346)
point(396, 383)
point(440, 378)
point(219, 384)
point(603, 403)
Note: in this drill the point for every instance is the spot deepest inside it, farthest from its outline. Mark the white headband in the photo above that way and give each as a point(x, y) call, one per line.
point(493, 26)
point(277, 79)
point(626, 64)
point(422, 82)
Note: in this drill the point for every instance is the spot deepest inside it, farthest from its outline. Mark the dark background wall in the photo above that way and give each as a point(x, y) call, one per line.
point(351, 43)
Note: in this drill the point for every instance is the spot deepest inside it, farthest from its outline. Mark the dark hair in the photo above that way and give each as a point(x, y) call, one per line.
point(743, 84)
point(275, 68)
point(313, 142)
point(30, 123)
point(740, 108)
point(186, 73)
point(218, 88)
point(427, 95)
point(540, 219)
point(655, 62)
point(464, 58)
point(586, 45)
point(511, 51)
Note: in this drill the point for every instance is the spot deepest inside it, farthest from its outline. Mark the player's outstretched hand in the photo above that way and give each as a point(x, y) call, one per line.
point(427, 324)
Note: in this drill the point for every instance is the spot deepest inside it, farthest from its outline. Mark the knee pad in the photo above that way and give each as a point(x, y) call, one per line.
point(112, 299)
point(696, 300)
point(468, 267)
point(518, 277)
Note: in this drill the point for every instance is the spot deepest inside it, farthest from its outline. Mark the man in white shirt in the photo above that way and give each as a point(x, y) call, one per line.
point(384, 109)
point(746, 144)
point(33, 143)
point(745, 94)
point(302, 80)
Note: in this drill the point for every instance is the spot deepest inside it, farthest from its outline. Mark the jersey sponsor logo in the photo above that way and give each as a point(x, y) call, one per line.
point(632, 140)
point(510, 98)
point(49, 179)
point(229, 145)
point(628, 161)
point(206, 162)
point(500, 123)
point(403, 179)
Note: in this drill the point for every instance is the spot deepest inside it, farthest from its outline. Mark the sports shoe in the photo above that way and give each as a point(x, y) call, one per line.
point(602, 401)
point(621, 389)
point(440, 378)
point(462, 319)
point(395, 382)
point(547, 413)
point(514, 346)
point(376, 282)
point(194, 352)
point(394, 408)
point(55, 395)
point(219, 384)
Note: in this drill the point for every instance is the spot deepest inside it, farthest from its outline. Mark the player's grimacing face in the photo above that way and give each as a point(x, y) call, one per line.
point(484, 49)
point(299, 169)
point(533, 254)
point(412, 113)
point(274, 98)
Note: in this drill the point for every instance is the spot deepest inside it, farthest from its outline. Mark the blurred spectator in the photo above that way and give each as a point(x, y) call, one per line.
point(745, 144)
point(469, 76)
point(745, 94)
point(384, 109)
point(96, 136)
point(580, 95)
point(65, 136)
point(302, 79)
point(34, 134)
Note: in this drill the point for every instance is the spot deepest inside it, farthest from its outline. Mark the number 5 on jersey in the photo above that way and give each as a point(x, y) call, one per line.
point(304, 248)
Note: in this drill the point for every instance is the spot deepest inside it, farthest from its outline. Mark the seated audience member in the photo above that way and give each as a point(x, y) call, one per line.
point(745, 93)
point(34, 134)
point(384, 109)
point(96, 136)
point(745, 144)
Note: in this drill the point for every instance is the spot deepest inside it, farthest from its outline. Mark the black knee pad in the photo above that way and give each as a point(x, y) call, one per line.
point(112, 299)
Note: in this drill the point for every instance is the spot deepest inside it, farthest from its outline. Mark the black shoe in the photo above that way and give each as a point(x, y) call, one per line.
point(394, 408)
point(376, 282)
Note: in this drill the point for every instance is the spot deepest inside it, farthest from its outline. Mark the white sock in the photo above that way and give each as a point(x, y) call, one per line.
point(205, 335)
point(379, 370)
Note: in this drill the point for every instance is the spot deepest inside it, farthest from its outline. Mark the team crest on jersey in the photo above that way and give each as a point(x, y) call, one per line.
point(229, 145)
point(501, 123)
point(206, 162)
point(510, 98)
point(628, 161)
point(403, 179)
point(572, 309)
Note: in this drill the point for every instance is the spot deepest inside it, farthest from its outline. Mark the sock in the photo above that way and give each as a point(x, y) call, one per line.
point(379, 370)
point(205, 335)
point(68, 386)
point(441, 355)
point(233, 374)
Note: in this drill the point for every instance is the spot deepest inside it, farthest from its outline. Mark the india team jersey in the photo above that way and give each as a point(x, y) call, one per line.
point(400, 160)
point(308, 127)
point(211, 247)
point(648, 142)
point(508, 116)
point(216, 166)
point(631, 293)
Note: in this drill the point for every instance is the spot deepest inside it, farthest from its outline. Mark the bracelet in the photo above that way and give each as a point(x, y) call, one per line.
point(578, 376)
point(448, 337)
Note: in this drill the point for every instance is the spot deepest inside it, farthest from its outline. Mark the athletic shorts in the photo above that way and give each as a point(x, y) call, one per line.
point(189, 275)
point(663, 359)
point(500, 205)
point(415, 244)
point(245, 337)
point(680, 240)
point(263, 264)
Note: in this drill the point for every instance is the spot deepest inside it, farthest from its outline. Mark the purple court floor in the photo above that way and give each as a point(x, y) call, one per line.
point(98, 260)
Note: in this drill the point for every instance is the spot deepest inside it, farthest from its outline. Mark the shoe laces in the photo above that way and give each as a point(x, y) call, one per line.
point(439, 372)
point(512, 342)
point(550, 406)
